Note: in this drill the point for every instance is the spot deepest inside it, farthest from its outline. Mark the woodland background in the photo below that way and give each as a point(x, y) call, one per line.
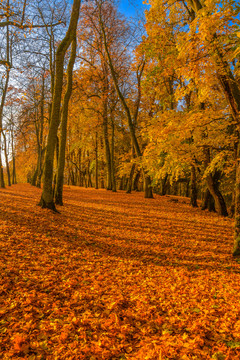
point(94, 101)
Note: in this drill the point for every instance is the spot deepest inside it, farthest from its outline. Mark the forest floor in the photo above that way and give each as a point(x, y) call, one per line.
point(115, 276)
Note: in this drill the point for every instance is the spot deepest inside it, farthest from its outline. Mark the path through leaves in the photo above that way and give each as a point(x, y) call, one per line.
point(115, 276)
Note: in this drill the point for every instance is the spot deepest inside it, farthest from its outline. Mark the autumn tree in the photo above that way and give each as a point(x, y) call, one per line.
point(101, 88)
point(47, 193)
point(21, 25)
point(103, 12)
point(197, 39)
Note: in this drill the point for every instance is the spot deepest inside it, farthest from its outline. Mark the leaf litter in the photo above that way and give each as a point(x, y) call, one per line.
point(115, 276)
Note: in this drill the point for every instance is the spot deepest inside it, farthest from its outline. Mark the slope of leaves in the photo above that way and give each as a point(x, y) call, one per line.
point(115, 276)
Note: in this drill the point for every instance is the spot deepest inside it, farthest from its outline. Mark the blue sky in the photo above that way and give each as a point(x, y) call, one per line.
point(129, 7)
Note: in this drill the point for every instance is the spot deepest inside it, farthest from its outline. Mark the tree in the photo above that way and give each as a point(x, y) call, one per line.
point(103, 10)
point(64, 117)
point(47, 200)
point(17, 21)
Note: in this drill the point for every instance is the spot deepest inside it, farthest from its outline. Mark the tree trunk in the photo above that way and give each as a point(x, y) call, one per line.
point(102, 165)
point(220, 205)
point(107, 151)
point(114, 188)
point(47, 193)
point(130, 179)
point(208, 201)
point(121, 185)
point(4, 93)
point(96, 161)
point(14, 178)
point(193, 200)
point(6, 159)
point(236, 246)
point(136, 180)
point(64, 118)
point(164, 185)
point(148, 194)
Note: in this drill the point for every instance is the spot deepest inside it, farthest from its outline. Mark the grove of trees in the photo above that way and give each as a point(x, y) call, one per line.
point(92, 98)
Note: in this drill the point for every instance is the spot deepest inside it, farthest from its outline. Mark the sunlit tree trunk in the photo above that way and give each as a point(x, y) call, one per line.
point(14, 177)
point(47, 200)
point(63, 134)
point(6, 159)
point(2, 183)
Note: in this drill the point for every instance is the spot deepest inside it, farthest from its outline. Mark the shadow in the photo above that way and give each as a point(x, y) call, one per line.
point(108, 233)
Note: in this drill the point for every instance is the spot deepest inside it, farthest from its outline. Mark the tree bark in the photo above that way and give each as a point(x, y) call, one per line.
point(6, 159)
point(114, 187)
point(64, 118)
point(220, 205)
point(193, 200)
point(148, 194)
point(130, 179)
point(96, 161)
point(236, 246)
point(208, 201)
point(47, 200)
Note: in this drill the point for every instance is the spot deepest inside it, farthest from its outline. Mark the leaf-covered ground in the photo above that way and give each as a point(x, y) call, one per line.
point(115, 276)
